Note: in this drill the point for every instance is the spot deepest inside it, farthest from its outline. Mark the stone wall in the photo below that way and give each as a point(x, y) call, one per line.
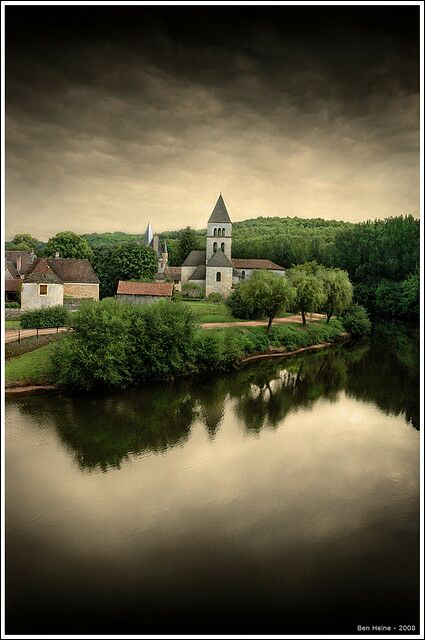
point(186, 273)
point(226, 239)
point(31, 298)
point(223, 287)
point(80, 290)
point(12, 314)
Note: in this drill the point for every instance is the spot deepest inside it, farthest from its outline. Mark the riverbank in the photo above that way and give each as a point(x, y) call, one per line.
point(33, 371)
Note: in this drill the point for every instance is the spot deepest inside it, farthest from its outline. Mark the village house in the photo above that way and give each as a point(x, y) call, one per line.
point(49, 280)
point(17, 264)
point(143, 292)
point(214, 269)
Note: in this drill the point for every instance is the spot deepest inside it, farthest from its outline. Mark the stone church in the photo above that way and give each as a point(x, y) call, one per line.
point(214, 269)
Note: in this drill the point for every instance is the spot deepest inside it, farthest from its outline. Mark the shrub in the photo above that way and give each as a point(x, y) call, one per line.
point(215, 297)
point(57, 316)
point(177, 296)
point(117, 344)
point(240, 307)
point(12, 305)
point(192, 290)
point(356, 321)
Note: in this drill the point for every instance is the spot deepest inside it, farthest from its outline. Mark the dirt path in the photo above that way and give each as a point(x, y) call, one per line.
point(261, 323)
point(12, 335)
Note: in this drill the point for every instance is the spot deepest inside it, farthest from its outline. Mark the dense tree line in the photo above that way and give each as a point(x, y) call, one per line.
point(381, 257)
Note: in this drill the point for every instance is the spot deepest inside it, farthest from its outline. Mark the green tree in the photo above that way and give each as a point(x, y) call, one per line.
point(267, 293)
point(127, 261)
point(69, 245)
point(23, 242)
point(337, 289)
point(309, 292)
point(356, 321)
point(188, 242)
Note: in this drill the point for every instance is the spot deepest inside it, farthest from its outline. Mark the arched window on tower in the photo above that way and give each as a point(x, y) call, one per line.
point(222, 247)
point(214, 247)
point(218, 276)
point(215, 232)
point(223, 232)
point(243, 275)
point(219, 232)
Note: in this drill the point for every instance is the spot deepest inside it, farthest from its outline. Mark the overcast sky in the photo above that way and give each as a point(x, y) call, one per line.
point(120, 115)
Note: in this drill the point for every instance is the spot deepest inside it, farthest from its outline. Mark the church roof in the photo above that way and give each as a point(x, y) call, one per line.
point(219, 259)
point(199, 273)
point(219, 213)
point(194, 258)
point(254, 263)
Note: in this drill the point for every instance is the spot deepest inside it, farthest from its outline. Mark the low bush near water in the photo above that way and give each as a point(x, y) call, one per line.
point(356, 321)
point(43, 318)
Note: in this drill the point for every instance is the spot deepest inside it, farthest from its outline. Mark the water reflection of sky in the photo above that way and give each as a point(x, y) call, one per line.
point(279, 488)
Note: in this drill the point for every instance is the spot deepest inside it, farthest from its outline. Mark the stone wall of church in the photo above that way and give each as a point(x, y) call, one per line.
point(219, 232)
point(223, 287)
point(186, 273)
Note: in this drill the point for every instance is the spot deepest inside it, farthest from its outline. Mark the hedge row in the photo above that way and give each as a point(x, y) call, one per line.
point(46, 317)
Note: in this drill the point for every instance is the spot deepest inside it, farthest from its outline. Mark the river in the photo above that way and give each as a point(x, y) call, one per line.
point(282, 498)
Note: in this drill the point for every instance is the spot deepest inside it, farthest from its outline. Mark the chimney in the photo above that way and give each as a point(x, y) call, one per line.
point(19, 264)
point(155, 243)
point(56, 254)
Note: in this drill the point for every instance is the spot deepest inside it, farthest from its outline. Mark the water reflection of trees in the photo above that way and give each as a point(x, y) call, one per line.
point(103, 431)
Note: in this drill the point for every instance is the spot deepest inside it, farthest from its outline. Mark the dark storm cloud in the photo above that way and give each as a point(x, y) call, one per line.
point(116, 115)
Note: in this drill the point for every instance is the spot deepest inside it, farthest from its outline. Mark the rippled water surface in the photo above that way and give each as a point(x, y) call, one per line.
point(280, 499)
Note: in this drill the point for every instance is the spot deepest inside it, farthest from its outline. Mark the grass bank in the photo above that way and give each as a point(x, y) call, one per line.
point(32, 368)
point(209, 311)
point(12, 324)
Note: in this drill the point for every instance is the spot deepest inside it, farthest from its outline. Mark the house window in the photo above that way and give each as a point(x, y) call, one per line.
point(218, 276)
point(243, 275)
point(215, 232)
point(43, 290)
point(214, 247)
point(222, 247)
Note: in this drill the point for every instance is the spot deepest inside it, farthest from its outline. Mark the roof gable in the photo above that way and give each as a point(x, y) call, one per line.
point(219, 213)
point(219, 259)
point(41, 272)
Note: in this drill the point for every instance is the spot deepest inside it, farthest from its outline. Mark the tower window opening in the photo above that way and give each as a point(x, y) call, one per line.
point(222, 247)
point(215, 232)
point(219, 232)
point(214, 247)
point(223, 232)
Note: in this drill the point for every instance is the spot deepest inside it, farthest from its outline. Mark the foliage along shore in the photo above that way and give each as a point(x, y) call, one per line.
point(117, 345)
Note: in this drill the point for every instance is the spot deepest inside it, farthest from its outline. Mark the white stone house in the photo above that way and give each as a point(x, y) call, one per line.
point(49, 280)
point(214, 269)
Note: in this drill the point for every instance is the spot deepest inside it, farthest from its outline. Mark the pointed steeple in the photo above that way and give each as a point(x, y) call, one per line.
point(148, 234)
point(219, 213)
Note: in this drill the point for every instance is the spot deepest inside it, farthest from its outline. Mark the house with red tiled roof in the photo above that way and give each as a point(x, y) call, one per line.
point(48, 280)
point(144, 292)
point(214, 270)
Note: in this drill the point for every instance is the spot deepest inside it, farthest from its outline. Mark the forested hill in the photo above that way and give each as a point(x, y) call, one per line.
point(284, 240)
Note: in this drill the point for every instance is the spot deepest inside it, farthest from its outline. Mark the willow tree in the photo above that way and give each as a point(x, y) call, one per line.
point(337, 291)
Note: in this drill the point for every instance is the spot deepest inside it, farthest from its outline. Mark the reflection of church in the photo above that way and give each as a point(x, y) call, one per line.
point(214, 269)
